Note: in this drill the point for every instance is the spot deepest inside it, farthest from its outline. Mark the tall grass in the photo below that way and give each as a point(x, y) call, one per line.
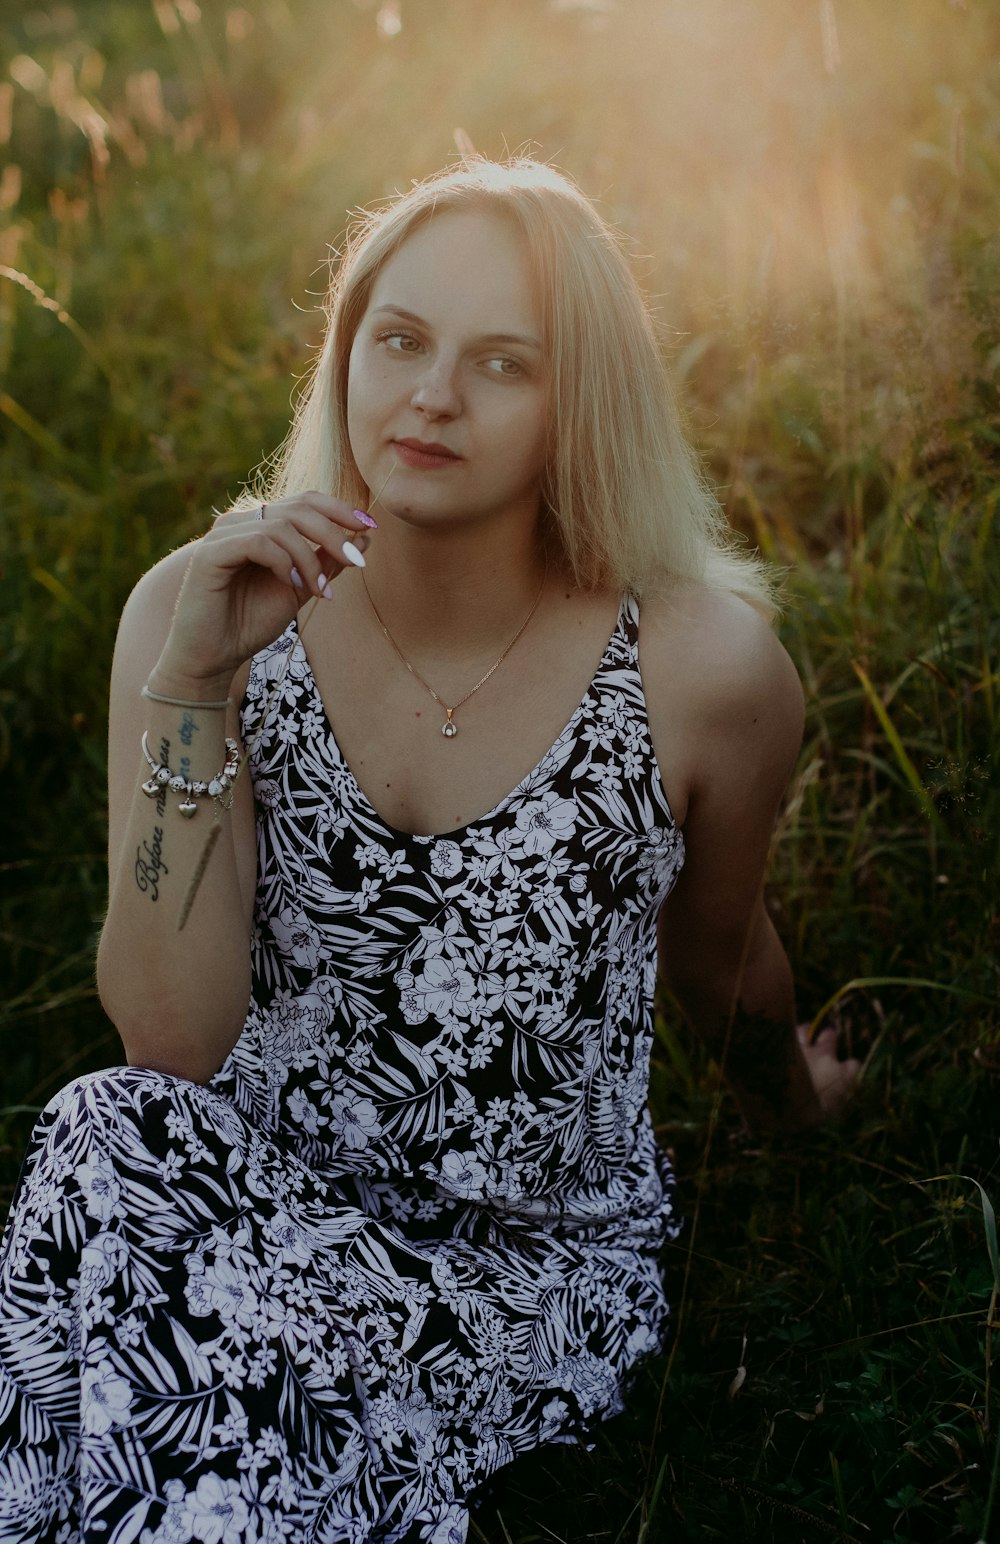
point(812, 193)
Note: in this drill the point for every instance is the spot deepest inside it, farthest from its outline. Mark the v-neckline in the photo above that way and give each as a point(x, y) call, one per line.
point(456, 831)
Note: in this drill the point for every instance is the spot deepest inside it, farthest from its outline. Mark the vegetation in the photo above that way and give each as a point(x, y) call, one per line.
point(818, 187)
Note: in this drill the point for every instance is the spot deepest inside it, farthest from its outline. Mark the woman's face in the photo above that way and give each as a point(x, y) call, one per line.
point(447, 384)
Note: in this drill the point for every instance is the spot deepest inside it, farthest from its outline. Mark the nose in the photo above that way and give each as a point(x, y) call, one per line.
point(436, 391)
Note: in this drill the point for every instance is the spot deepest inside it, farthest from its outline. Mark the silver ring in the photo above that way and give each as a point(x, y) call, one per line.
point(260, 512)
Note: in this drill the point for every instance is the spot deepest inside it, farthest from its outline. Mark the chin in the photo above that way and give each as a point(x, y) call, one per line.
point(433, 519)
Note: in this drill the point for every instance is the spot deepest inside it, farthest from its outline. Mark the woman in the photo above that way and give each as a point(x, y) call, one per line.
point(376, 1204)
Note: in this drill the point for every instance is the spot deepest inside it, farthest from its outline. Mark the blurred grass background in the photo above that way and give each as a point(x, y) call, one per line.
point(812, 191)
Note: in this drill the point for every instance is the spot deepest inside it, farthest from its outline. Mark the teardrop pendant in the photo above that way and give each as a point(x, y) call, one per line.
point(449, 729)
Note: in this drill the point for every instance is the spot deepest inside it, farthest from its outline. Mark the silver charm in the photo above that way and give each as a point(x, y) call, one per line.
point(220, 787)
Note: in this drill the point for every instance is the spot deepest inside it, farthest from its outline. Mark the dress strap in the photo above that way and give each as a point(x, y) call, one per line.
point(630, 625)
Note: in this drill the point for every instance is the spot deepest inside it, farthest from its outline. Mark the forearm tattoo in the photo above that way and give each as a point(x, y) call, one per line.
point(149, 864)
point(187, 731)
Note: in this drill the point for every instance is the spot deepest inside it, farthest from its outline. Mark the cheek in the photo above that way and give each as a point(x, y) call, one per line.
point(534, 436)
point(362, 396)
point(369, 387)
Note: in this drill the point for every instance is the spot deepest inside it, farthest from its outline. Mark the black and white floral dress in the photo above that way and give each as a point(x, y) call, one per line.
point(411, 1228)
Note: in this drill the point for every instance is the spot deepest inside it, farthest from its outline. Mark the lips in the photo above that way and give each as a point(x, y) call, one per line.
point(429, 447)
point(426, 453)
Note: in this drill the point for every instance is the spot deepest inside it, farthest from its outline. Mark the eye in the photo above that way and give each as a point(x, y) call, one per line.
point(504, 365)
point(398, 342)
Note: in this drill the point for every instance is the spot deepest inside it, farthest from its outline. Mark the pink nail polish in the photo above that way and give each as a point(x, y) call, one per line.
point(323, 586)
point(296, 578)
point(367, 519)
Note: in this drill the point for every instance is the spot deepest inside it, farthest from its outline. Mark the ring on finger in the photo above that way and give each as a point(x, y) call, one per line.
point(260, 512)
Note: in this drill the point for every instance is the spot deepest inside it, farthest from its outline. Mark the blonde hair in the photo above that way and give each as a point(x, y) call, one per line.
point(624, 500)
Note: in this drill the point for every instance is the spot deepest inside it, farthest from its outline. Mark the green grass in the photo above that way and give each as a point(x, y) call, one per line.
point(812, 193)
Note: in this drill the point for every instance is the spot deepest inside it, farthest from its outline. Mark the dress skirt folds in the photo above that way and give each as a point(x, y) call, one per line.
point(411, 1228)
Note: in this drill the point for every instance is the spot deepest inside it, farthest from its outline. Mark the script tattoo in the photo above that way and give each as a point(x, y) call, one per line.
point(161, 798)
point(187, 731)
point(149, 864)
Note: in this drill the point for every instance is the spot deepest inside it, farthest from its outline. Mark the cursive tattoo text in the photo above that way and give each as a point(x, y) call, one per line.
point(149, 864)
point(187, 731)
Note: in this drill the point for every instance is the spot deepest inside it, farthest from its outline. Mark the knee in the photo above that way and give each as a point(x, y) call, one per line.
point(103, 1093)
point(129, 1108)
point(106, 1128)
point(100, 1107)
point(81, 1124)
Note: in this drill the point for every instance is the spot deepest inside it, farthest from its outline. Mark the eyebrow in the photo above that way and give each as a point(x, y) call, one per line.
point(523, 339)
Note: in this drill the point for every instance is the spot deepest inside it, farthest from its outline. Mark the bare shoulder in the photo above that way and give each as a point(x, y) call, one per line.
point(718, 681)
point(723, 647)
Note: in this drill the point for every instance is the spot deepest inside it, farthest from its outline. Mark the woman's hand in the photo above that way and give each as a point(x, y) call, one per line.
point(245, 582)
point(833, 1080)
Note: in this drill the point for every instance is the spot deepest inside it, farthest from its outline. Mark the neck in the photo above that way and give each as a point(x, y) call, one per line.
point(453, 594)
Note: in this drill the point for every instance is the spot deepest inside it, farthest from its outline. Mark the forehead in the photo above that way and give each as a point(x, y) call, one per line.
point(469, 267)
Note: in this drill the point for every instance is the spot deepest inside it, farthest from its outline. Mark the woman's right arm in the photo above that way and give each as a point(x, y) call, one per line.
point(179, 997)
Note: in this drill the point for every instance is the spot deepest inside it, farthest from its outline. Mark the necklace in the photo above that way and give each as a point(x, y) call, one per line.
point(449, 728)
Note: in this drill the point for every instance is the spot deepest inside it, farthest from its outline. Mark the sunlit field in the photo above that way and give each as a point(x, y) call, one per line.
point(810, 190)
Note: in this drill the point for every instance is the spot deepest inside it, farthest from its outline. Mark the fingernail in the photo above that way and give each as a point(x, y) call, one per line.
point(296, 578)
point(352, 554)
point(367, 519)
point(323, 586)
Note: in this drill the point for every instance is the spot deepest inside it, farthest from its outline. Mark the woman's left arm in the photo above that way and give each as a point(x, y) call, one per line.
point(739, 716)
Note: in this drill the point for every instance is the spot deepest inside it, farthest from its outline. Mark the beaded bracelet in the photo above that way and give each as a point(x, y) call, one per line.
point(218, 787)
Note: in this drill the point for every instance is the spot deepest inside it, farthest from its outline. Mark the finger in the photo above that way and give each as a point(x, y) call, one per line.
point(241, 514)
point(350, 554)
point(296, 506)
point(824, 1041)
point(289, 553)
point(224, 556)
point(333, 509)
point(339, 545)
point(315, 568)
point(309, 505)
point(807, 1040)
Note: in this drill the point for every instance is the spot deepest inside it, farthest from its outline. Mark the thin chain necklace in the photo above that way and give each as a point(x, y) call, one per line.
point(449, 728)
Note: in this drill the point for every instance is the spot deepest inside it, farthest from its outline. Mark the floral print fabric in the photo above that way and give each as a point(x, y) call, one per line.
point(411, 1227)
